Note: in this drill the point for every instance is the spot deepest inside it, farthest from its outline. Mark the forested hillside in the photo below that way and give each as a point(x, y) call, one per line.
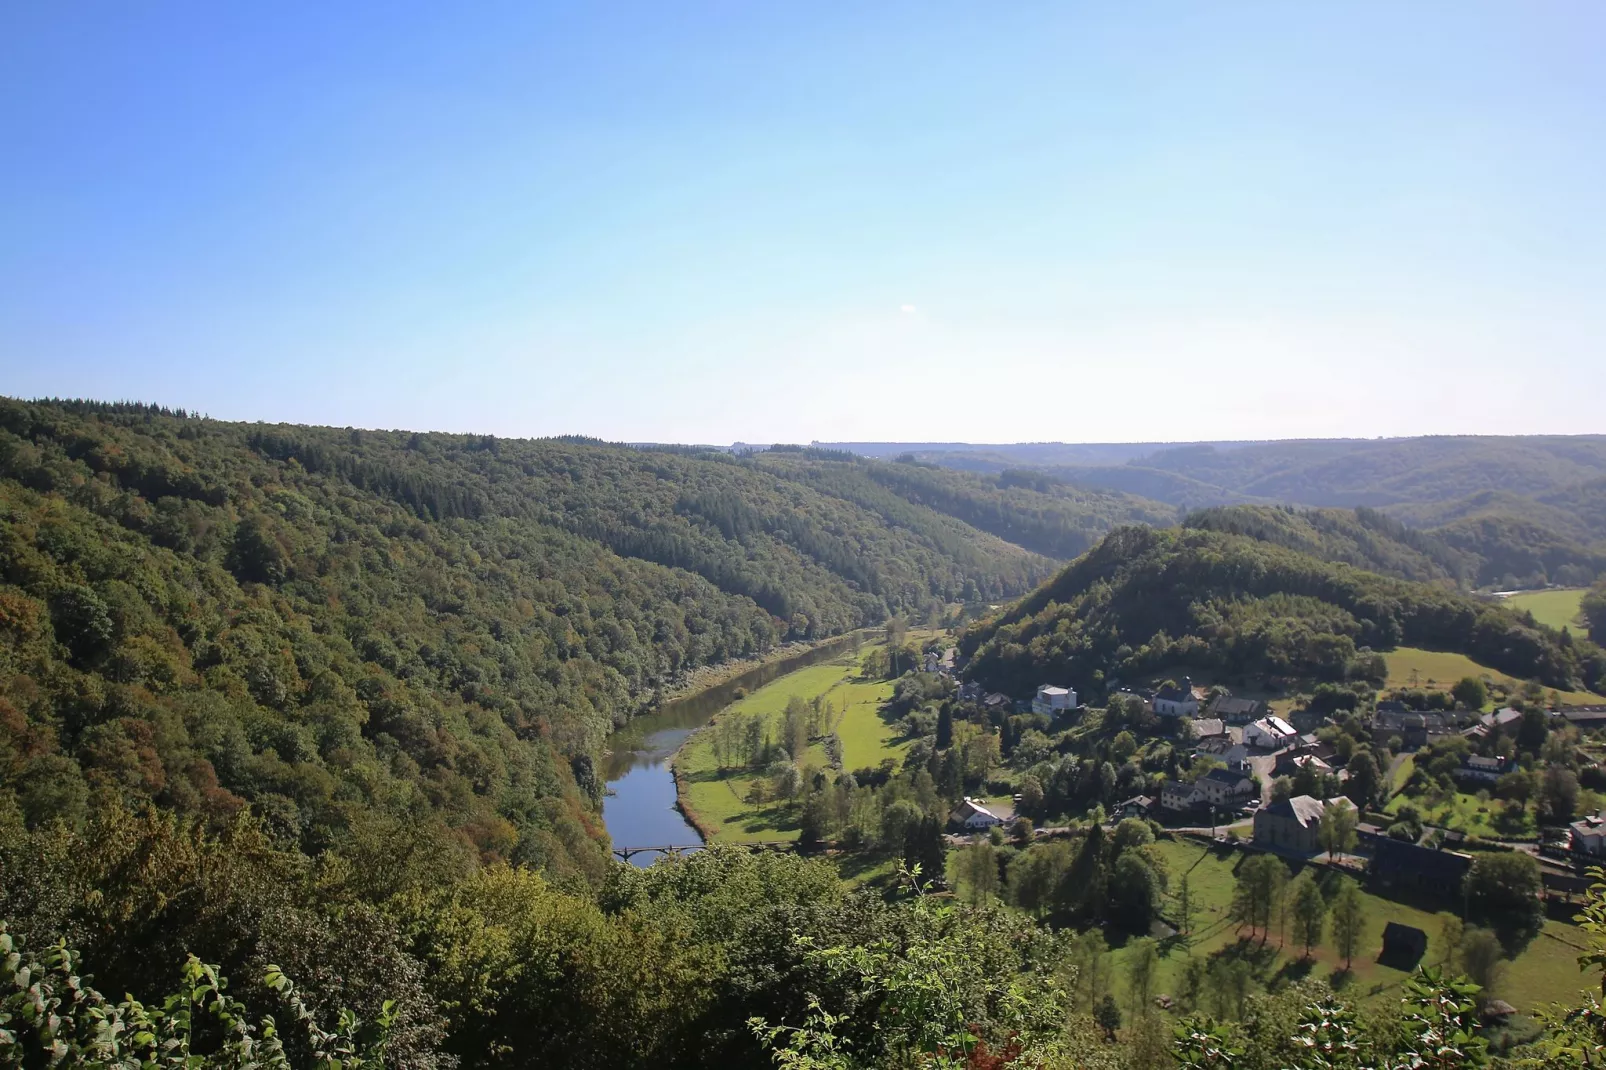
point(1519, 511)
point(1028, 508)
point(1362, 537)
point(1237, 607)
point(1496, 549)
point(1321, 472)
point(318, 624)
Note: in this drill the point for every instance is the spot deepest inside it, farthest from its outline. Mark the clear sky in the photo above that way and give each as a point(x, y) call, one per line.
point(793, 221)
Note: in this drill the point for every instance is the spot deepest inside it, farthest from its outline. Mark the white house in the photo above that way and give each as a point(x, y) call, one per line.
point(973, 815)
point(1053, 700)
point(1177, 701)
point(1270, 733)
point(1487, 770)
point(1589, 835)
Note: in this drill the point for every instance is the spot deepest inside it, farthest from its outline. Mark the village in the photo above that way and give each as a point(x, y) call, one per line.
point(1440, 784)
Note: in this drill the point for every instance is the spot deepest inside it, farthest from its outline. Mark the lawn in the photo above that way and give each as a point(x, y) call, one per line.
point(1411, 667)
point(866, 737)
point(1546, 971)
point(718, 797)
point(1558, 609)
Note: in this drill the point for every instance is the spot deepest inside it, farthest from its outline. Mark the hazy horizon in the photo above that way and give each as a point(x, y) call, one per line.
point(906, 223)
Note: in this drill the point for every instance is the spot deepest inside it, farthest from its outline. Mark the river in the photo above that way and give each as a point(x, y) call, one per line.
point(640, 808)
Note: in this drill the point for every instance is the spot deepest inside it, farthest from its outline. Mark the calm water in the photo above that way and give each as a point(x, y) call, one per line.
point(640, 808)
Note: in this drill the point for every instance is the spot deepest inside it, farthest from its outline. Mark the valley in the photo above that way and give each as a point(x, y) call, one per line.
point(427, 685)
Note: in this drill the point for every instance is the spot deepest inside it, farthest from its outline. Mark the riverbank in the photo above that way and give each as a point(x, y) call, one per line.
point(707, 677)
point(646, 803)
point(732, 805)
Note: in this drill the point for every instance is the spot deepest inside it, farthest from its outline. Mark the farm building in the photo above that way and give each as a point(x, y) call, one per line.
point(973, 815)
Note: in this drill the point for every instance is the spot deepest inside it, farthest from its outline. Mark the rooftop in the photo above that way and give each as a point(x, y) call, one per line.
point(1302, 809)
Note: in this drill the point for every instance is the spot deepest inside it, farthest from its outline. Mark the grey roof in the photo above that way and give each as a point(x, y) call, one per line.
point(1301, 809)
point(1208, 726)
point(1228, 706)
point(1225, 776)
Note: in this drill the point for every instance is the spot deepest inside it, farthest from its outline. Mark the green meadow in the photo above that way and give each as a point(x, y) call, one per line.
point(1412, 667)
point(719, 797)
point(1558, 609)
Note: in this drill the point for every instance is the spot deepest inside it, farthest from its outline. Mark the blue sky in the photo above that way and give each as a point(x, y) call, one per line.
point(695, 222)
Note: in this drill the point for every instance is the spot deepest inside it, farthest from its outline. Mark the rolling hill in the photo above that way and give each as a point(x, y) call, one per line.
point(1241, 608)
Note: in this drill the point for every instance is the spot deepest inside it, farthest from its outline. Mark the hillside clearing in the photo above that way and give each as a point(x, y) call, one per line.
point(1557, 609)
point(1412, 667)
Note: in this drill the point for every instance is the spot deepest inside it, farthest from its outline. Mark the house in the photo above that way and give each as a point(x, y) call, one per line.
point(973, 815)
point(1395, 716)
point(1270, 733)
point(1506, 719)
point(1403, 946)
point(1053, 701)
point(1209, 728)
point(1588, 835)
point(1236, 710)
point(1396, 863)
point(1485, 770)
point(1293, 824)
point(1310, 743)
point(1137, 806)
point(1289, 763)
point(1234, 755)
point(1225, 788)
point(1173, 701)
point(1178, 795)
point(933, 661)
point(998, 700)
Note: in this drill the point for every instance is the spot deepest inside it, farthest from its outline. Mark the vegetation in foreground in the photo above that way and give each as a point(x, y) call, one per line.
point(721, 958)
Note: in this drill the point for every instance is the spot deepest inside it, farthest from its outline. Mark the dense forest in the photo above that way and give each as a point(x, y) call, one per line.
point(1510, 512)
point(319, 625)
point(1027, 508)
point(1240, 607)
point(1492, 550)
point(1382, 473)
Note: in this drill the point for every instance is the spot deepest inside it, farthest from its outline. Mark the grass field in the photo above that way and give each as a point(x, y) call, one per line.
point(1411, 667)
point(718, 798)
point(1558, 609)
point(1545, 972)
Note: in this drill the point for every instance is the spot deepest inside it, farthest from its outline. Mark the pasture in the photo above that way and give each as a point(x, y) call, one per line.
point(1557, 609)
point(1438, 669)
point(1546, 971)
